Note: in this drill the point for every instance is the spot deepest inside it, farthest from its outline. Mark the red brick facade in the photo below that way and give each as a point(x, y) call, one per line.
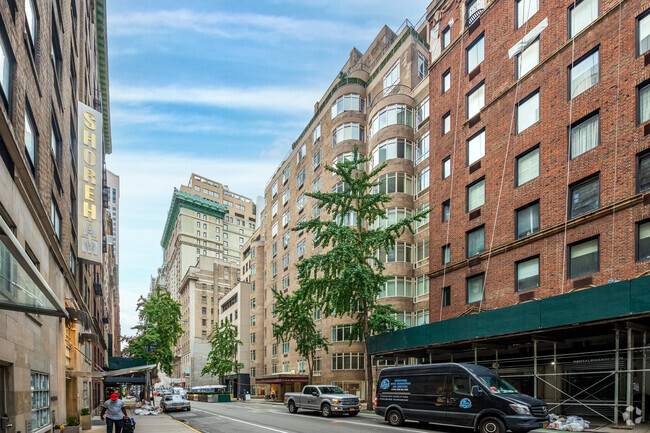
point(614, 160)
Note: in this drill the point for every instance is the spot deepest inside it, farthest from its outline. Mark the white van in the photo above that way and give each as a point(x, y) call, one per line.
point(179, 391)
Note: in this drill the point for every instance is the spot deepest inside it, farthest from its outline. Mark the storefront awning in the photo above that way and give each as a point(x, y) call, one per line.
point(22, 287)
point(282, 378)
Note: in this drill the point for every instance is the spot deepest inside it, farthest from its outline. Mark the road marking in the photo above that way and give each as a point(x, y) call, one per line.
point(191, 428)
point(253, 424)
point(359, 423)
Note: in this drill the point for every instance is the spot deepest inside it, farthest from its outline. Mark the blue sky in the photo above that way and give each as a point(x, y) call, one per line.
point(221, 88)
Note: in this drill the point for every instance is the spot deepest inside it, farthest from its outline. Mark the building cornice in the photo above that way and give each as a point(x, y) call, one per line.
point(191, 202)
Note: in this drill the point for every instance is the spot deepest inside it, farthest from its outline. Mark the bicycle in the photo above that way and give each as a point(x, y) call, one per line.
point(272, 396)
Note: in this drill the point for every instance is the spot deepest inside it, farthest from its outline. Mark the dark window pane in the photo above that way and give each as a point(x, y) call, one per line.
point(528, 221)
point(585, 197)
point(445, 211)
point(644, 242)
point(644, 173)
point(475, 289)
point(475, 242)
point(446, 296)
point(528, 274)
point(584, 259)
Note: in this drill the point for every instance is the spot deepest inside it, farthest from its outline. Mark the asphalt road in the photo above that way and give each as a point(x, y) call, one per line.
point(254, 417)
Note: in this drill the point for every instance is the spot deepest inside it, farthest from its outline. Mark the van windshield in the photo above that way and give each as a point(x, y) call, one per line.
point(497, 385)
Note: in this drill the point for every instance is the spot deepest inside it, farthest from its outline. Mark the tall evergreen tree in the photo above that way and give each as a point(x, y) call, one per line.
point(346, 279)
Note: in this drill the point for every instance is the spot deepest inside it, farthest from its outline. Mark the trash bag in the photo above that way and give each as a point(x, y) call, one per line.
point(128, 426)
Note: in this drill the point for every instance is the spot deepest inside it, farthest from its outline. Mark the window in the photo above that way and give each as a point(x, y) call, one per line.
point(274, 189)
point(55, 51)
point(300, 203)
point(527, 166)
point(527, 59)
point(446, 123)
point(446, 37)
point(585, 196)
point(528, 111)
point(315, 211)
point(476, 147)
point(396, 114)
point(286, 347)
point(286, 259)
point(316, 185)
point(475, 100)
point(55, 138)
point(30, 137)
point(421, 317)
point(301, 248)
point(584, 73)
point(350, 102)
point(285, 282)
point(301, 178)
point(527, 274)
point(585, 134)
point(348, 131)
point(525, 10)
point(301, 153)
point(422, 284)
point(55, 218)
point(400, 252)
point(347, 361)
point(422, 250)
point(32, 21)
point(5, 70)
point(286, 238)
point(527, 220)
point(422, 148)
point(285, 196)
point(585, 12)
point(316, 159)
point(643, 172)
point(301, 366)
point(286, 173)
point(391, 78)
point(445, 211)
point(423, 180)
point(40, 393)
point(446, 296)
point(446, 80)
point(404, 317)
point(341, 333)
point(584, 258)
point(422, 113)
point(274, 229)
point(474, 288)
point(643, 102)
point(423, 66)
point(446, 254)
point(391, 149)
point(475, 53)
point(315, 135)
point(394, 182)
point(475, 241)
point(643, 241)
point(475, 194)
point(393, 216)
point(446, 167)
point(643, 33)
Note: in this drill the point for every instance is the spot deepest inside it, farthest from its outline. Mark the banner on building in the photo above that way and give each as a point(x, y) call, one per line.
point(90, 188)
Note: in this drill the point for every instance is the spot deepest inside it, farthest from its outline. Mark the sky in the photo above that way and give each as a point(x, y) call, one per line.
point(220, 88)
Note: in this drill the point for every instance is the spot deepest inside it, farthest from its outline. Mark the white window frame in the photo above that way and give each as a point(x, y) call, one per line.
point(528, 111)
point(391, 79)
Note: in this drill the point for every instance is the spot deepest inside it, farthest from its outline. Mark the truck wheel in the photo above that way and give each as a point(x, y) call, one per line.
point(292, 407)
point(395, 418)
point(326, 410)
point(491, 424)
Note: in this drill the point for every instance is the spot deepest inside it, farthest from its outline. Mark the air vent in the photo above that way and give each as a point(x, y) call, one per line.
point(475, 214)
point(475, 72)
point(474, 262)
point(474, 120)
point(646, 59)
point(646, 129)
point(527, 296)
point(474, 167)
point(646, 199)
point(583, 282)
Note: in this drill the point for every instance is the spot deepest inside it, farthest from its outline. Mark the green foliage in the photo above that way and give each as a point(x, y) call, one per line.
point(158, 330)
point(84, 411)
point(222, 358)
point(72, 421)
point(346, 279)
point(295, 321)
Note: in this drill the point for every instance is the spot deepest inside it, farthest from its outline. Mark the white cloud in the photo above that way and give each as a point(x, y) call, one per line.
point(276, 99)
point(147, 180)
point(229, 25)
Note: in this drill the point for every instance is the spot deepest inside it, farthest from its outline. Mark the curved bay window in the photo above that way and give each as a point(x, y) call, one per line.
point(351, 102)
point(394, 182)
point(396, 114)
point(392, 149)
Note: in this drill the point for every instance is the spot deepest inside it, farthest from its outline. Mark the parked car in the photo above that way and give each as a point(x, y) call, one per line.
point(460, 395)
point(327, 399)
point(174, 402)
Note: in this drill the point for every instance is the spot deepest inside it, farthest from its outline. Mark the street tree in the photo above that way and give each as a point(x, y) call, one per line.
point(222, 359)
point(346, 279)
point(158, 330)
point(295, 321)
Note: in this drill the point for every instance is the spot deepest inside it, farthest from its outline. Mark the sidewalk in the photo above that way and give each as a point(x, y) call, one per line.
point(146, 424)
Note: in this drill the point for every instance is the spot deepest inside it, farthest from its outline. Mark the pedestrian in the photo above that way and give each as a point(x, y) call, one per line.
point(115, 412)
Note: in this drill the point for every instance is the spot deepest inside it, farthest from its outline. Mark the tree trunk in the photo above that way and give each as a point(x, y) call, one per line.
point(310, 364)
point(368, 361)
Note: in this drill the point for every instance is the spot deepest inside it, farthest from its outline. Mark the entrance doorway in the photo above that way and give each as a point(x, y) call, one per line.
point(4, 417)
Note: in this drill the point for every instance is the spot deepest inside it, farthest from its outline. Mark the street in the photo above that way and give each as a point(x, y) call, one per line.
point(264, 417)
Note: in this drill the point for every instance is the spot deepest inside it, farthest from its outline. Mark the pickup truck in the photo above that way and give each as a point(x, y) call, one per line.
point(327, 399)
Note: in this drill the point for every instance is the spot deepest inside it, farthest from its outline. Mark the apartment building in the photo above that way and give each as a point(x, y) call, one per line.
point(234, 307)
point(252, 272)
point(540, 162)
point(53, 107)
point(380, 103)
point(113, 185)
point(206, 229)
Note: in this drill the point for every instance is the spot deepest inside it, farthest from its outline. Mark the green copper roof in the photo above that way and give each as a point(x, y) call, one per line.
point(102, 68)
point(192, 202)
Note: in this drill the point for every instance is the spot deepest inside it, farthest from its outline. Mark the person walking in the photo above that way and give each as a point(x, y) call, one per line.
point(115, 412)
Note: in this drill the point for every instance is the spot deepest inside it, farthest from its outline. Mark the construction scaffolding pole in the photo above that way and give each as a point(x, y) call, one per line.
point(645, 360)
point(535, 368)
point(475, 355)
point(555, 369)
point(630, 345)
point(616, 368)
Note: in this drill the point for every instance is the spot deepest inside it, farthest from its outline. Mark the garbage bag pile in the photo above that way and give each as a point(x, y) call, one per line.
point(567, 423)
point(146, 409)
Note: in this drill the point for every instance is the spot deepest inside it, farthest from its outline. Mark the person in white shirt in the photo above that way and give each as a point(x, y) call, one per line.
point(115, 412)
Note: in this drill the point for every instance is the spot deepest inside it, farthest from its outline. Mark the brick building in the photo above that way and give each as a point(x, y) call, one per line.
point(53, 336)
point(541, 165)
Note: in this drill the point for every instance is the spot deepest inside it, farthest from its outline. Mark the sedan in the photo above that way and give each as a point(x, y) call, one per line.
point(174, 402)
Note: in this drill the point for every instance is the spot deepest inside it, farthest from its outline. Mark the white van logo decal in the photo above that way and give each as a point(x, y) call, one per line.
point(385, 384)
point(466, 403)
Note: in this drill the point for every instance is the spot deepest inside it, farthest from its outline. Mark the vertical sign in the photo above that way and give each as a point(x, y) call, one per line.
point(89, 174)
